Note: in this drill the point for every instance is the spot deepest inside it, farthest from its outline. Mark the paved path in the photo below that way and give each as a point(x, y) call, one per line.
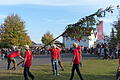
point(45, 59)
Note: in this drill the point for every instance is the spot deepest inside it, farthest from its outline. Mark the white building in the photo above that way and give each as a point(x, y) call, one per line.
point(105, 40)
point(87, 41)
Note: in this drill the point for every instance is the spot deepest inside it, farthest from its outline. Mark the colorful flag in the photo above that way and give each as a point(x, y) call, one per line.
point(100, 35)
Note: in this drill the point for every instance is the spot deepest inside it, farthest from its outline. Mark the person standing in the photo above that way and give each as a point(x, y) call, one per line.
point(54, 59)
point(59, 59)
point(76, 61)
point(27, 63)
point(2, 53)
point(11, 58)
point(118, 49)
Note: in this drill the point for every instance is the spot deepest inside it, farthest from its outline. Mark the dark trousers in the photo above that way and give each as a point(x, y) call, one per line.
point(118, 53)
point(9, 62)
point(76, 67)
point(27, 73)
point(60, 64)
point(118, 75)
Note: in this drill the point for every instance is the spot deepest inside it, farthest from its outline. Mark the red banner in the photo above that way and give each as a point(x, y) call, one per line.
point(100, 35)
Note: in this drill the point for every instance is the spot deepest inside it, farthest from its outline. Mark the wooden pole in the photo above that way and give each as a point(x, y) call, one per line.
point(53, 40)
point(17, 65)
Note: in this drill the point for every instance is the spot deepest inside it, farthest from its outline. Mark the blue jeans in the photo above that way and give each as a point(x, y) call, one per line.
point(55, 66)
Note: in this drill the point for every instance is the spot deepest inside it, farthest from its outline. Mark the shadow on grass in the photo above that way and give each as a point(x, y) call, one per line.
point(11, 78)
point(62, 76)
point(98, 77)
point(66, 76)
point(9, 73)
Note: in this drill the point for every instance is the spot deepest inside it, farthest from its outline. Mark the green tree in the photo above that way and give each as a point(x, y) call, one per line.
point(13, 31)
point(115, 36)
point(47, 38)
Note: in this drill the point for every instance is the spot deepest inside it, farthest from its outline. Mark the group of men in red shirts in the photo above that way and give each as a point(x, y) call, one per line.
point(55, 58)
point(27, 61)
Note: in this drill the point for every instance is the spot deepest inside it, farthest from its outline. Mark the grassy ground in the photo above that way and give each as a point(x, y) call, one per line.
point(94, 69)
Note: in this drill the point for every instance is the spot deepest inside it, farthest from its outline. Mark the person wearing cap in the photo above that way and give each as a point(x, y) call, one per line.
point(27, 63)
point(11, 58)
point(76, 61)
point(54, 59)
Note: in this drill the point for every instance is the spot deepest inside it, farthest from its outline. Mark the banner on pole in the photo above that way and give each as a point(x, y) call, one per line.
point(100, 35)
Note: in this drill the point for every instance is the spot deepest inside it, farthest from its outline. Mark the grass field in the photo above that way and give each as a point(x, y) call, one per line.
point(94, 69)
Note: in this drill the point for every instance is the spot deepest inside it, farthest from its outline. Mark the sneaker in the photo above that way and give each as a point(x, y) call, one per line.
point(57, 74)
point(62, 69)
point(53, 73)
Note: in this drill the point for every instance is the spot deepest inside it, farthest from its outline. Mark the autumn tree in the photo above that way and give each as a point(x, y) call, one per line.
point(13, 31)
point(47, 38)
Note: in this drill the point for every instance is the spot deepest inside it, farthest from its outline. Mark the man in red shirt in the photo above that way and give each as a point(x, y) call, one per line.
point(11, 58)
point(55, 54)
point(76, 61)
point(27, 63)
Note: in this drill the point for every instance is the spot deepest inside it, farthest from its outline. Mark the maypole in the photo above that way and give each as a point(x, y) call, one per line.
point(84, 26)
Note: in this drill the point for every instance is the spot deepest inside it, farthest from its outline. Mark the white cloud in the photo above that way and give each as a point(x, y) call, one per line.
point(59, 2)
point(56, 21)
point(108, 20)
point(2, 16)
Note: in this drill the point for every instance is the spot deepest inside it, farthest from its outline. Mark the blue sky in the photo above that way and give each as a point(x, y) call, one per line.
point(42, 16)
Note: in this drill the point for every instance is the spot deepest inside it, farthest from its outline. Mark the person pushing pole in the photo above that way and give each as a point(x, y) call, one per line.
point(11, 58)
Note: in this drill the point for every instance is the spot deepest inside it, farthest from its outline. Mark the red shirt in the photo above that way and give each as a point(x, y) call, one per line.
point(28, 58)
point(77, 54)
point(13, 54)
point(55, 53)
